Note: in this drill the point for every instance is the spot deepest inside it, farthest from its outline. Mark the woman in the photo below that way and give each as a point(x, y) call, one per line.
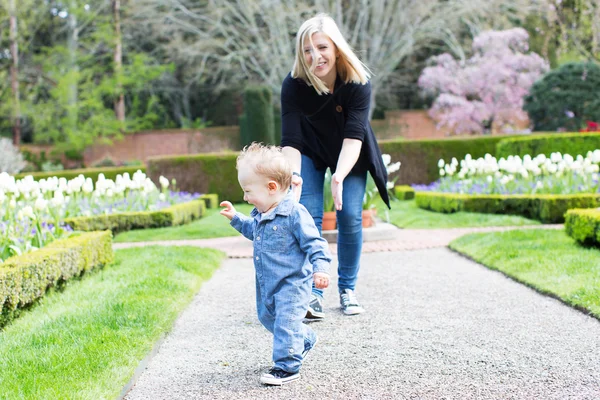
point(325, 103)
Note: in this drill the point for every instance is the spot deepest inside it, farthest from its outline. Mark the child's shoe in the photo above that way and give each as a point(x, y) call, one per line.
point(315, 308)
point(278, 377)
point(349, 303)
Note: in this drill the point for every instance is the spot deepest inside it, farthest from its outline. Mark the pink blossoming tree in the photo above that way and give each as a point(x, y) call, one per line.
point(487, 88)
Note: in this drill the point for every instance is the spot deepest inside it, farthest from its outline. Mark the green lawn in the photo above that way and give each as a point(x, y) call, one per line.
point(547, 260)
point(406, 214)
point(212, 225)
point(86, 341)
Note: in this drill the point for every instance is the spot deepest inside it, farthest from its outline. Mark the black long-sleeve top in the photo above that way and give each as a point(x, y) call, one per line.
point(316, 125)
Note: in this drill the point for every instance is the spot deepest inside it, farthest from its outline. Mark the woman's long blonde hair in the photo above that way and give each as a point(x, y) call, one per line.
point(348, 65)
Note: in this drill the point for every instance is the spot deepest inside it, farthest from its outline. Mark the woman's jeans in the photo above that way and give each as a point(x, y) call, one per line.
point(349, 219)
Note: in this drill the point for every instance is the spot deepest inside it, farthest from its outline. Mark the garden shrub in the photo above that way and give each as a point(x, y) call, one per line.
point(25, 278)
point(174, 215)
point(257, 123)
point(404, 192)
point(211, 200)
point(202, 173)
point(583, 225)
point(565, 143)
point(545, 208)
point(109, 173)
point(565, 98)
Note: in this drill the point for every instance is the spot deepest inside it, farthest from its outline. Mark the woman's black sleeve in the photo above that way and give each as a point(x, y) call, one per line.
point(357, 112)
point(291, 131)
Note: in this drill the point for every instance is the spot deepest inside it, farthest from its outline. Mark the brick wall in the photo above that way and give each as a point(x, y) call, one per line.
point(416, 124)
point(142, 145)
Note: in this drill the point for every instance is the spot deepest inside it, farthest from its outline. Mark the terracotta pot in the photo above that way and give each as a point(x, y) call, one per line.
point(368, 218)
point(329, 221)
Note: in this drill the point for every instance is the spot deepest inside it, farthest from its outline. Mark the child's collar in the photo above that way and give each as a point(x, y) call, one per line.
point(284, 207)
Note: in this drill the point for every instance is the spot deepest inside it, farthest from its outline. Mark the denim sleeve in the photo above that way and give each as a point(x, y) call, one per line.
point(244, 225)
point(310, 241)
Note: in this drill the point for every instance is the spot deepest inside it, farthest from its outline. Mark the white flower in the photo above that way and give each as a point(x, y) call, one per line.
point(386, 159)
point(41, 204)
point(442, 172)
point(391, 169)
point(26, 212)
point(12, 203)
point(490, 179)
point(162, 197)
point(539, 184)
point(164, 182)
point(441, 163)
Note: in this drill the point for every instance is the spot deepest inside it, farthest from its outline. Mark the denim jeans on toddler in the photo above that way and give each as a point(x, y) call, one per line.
point(349, 219)
point(288, 249)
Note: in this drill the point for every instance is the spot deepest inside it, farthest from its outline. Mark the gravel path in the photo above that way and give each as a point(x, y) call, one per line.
point(438, 326)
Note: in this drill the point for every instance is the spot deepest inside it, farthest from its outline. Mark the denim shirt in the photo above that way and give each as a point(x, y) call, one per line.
point(287, 244)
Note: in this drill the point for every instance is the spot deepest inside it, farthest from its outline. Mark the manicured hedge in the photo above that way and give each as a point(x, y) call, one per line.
point(25, 278)
point(109, 173)
point(569, 143)
point(404, 192)
point(177, 214)
point(420, 157)
point(211, 200)
point(583, 225)
point(202, 173)
point(545, 208)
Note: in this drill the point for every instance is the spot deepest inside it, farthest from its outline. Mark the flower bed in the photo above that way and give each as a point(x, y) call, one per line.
point(33, 213)
point(557, 174)
point(25, 278)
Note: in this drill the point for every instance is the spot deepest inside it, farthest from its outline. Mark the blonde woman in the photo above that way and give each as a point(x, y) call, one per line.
point(325, 103)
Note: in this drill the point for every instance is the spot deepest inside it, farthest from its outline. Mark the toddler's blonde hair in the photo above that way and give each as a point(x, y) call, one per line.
point(267, 161)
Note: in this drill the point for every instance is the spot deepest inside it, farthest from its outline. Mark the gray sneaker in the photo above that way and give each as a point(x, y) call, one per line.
point(349, 303)
point(315, 308)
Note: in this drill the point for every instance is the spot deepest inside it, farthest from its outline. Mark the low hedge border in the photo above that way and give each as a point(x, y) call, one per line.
point(583, 225)
point(26, 278)
point(548, 143)
point(174, 215)
point(545, 208)
point(404, 192)
point(109, 173)
point(211, 200)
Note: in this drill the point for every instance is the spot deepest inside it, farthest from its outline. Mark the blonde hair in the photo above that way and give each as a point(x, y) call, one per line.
point(348, 65)
point(268, 161)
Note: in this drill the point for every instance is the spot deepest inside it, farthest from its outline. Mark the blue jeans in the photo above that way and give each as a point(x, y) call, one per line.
point(349, 219)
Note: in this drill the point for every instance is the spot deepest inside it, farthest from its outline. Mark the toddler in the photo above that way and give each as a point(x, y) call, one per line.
point(289, 254)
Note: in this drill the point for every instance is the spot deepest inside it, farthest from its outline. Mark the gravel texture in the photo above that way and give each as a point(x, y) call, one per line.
point(437, 326)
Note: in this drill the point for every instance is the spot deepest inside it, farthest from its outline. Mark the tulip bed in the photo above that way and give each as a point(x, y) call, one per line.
point(541, 187)
point(35, 213)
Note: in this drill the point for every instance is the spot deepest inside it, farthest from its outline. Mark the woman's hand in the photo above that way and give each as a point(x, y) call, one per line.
point(337, 187)
point(297, 186)
point(321, 280)
point(229, 210)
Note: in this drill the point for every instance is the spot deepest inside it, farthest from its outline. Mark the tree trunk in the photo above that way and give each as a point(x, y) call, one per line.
point(14, 74)
point(73, 44)
point(120, 99)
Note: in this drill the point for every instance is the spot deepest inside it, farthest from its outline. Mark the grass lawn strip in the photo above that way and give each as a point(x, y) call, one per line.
point(406, 214)
point(86, 341)
point(212, 225)
point(546, 260)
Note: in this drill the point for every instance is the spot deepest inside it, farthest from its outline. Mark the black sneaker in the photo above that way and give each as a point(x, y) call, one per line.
point(308, 349)
point(349, 303)
point(315, 308)
point(278, 377)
